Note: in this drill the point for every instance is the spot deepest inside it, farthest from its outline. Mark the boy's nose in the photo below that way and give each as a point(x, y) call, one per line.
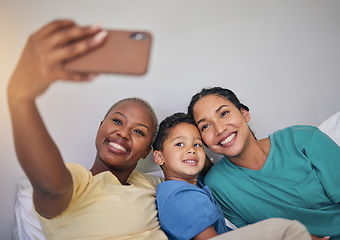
point(191, 150)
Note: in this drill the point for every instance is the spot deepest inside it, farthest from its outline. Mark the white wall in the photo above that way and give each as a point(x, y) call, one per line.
point(282, 58)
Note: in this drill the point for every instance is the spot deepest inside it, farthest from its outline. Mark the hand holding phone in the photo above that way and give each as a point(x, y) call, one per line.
point(124, 52)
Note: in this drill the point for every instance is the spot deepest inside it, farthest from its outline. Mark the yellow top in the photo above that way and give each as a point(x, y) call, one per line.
point(103, 208)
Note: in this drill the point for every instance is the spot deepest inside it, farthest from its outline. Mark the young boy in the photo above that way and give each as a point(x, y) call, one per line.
point(186, 208)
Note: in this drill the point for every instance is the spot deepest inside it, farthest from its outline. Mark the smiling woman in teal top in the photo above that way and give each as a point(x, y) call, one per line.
point(293, 174)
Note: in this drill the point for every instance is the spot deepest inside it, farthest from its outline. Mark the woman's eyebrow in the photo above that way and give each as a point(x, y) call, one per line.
point(143, 125)
point(222, 106)
point(216, 111)
point(140, 124)
point(199, 121)
point(119, 113)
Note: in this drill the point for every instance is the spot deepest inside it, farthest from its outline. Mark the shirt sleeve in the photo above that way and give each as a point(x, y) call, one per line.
point(81, 177)
point(234, 218)
point(324, 154)
point(185, 211)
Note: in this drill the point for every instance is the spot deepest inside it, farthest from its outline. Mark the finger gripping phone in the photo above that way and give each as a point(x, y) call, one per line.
point(123, 52)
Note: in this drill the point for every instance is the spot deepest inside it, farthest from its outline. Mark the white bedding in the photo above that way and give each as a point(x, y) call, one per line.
point(331, 126)
point(27, 223)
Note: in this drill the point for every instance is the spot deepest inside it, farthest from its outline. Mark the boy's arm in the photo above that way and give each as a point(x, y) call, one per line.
point(40, 65)
point(206, 234)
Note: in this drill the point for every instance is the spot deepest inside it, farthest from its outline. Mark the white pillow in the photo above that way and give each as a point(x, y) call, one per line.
point(331, 127)
point(27, 223)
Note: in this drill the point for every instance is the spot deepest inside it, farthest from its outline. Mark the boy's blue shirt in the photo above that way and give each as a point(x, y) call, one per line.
point(185, 210)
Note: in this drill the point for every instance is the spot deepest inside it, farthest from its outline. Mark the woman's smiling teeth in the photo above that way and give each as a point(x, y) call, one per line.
point(228, 139)
point(117, 146)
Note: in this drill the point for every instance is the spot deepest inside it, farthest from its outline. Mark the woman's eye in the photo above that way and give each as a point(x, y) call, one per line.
point(205, 126)
point(179, 144)
point(117, 121)
point(224, 113)
point(140, 132)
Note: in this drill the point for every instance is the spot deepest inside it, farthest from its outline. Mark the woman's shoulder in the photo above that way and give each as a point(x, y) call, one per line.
point(78, 171)
point(147, 180)
point(297, 129)
point(299, 136)
point(295, 132)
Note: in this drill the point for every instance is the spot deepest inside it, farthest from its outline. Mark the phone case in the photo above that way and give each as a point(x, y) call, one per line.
point(124, 52)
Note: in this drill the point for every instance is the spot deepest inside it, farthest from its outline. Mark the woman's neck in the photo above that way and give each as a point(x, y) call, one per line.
point(254, 156)
point(99, 167)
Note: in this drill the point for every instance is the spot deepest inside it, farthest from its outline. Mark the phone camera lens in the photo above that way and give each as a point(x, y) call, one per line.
point(138, 36)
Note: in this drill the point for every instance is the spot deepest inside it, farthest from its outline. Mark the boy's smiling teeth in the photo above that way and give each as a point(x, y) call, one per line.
point(228, 139)
point(190, 161)
point(117, 146)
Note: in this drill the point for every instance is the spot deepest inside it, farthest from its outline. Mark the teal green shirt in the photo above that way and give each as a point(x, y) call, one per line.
point(300, 180)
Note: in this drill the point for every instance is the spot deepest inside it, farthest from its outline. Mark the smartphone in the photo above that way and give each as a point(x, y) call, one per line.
point(123, 52)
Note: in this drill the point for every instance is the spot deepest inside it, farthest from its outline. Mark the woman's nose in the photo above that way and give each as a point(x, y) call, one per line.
point(219, 128)
point(123, 133)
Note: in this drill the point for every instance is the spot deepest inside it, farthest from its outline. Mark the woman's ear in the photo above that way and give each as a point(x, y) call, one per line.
point(245, 114)
point(101, 123)
point(146, 152)
point(158, 157)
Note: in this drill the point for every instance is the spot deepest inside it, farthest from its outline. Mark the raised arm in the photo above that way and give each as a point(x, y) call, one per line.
point(41, 64)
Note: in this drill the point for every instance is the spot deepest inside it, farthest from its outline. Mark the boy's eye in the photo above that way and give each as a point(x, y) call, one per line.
point(197, 145)
point(179, 144)
point(139, 132)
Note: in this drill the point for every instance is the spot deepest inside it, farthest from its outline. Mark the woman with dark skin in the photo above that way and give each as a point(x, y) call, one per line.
point(71, 201)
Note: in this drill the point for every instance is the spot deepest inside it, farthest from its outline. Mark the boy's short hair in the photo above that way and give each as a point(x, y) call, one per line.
point(167, 124)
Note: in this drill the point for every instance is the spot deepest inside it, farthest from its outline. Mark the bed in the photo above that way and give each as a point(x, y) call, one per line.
point(27, 224)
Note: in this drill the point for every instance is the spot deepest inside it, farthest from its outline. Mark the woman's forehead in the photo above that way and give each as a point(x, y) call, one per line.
point(211, 101)
point(135, 110)
point(209, 105)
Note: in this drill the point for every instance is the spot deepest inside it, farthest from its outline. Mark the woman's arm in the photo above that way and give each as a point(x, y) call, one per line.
point(41, 64)
point(324, 154)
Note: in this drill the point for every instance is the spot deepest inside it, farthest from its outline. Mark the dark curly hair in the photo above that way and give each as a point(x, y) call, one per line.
point(167, 124)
